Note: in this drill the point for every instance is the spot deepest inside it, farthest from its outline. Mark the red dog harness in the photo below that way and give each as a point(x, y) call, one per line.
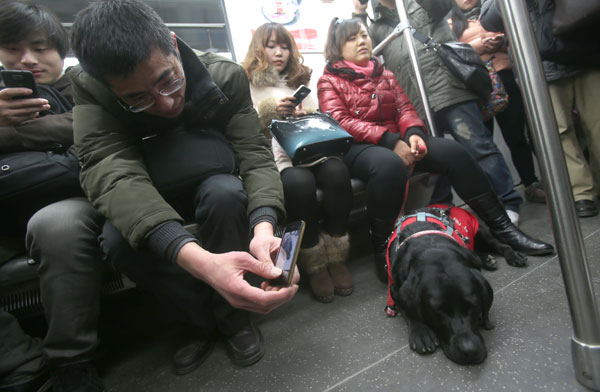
point(460, 225)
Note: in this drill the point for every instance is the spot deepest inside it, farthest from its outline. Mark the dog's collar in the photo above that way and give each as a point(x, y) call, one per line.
point(425, 232)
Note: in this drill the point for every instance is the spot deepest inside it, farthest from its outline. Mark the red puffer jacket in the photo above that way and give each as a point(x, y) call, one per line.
point(366, 107)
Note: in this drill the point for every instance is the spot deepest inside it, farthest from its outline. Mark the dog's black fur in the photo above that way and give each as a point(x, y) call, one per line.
point(438, 285)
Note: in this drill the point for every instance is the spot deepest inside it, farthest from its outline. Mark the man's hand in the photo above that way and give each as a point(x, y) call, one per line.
point(15, 111)
point(225, 273)
point(264, 246)
point(404, 152)
point(418, 148)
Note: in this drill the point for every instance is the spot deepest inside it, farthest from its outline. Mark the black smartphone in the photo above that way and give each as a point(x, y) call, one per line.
point(19, 78)
point(288, 253)
point(300, 93)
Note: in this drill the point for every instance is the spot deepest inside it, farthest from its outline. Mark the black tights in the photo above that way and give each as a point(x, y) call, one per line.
point(300, 189)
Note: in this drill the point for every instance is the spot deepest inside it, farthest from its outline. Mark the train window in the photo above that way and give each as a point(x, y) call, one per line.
point(201, 23)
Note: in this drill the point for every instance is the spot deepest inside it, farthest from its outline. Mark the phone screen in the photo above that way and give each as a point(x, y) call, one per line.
point(288, 252)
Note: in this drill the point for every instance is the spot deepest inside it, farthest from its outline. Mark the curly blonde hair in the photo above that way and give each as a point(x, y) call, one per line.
point(256, 58)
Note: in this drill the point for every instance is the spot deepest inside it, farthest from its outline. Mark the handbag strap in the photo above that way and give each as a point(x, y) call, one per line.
point(428, 41)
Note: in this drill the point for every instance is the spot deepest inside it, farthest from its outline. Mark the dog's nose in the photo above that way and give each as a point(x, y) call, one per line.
point(471, 349)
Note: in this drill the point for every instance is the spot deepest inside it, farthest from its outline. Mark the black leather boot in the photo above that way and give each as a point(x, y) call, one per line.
point(491, 211)
point(380, 232)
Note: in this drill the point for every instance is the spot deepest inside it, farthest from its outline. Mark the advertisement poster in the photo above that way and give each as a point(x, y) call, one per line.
point(307, 20)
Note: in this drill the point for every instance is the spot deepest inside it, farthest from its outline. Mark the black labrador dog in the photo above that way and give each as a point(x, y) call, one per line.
point(435, 279)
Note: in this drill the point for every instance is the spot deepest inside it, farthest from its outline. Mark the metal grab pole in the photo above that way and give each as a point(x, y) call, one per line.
point(414, 59)
point(585, 344)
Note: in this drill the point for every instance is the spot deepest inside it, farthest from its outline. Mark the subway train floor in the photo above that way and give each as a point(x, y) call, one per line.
point(352, 345)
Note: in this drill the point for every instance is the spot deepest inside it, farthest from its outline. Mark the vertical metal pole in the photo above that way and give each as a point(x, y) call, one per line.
point(585, 344)
point(404, 27)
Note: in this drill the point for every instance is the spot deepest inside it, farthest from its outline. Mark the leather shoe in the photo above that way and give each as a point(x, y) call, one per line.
point(187, 358)
point(586, 208)
point(245, 346)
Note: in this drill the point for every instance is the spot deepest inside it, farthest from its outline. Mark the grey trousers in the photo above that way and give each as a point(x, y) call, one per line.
point(63, 238)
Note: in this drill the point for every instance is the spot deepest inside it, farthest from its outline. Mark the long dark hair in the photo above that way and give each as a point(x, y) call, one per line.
point(256, 58)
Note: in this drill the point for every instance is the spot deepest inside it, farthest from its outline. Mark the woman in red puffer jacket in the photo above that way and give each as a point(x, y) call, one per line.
point(391, 142)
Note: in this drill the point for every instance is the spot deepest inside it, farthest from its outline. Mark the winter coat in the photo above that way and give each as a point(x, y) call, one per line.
point(429, 17)
point(46, 133)
point(562, 57)
point(266, 89)
point(367, 107)
point(108, 141)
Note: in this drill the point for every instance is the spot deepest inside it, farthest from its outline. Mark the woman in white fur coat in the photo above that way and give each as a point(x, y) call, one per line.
point(275, 69)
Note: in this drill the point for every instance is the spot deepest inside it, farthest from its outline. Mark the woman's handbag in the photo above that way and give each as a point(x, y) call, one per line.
point(498, 98)
point(308, 138)
point(463, 62)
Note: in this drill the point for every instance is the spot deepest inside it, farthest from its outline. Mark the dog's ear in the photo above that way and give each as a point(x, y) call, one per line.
point(406, 296)
point(487, 297)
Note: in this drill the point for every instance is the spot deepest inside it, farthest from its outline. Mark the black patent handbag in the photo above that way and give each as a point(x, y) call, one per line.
point(463, 62)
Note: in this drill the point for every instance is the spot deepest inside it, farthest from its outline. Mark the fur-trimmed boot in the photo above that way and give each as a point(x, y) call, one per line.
point(313, 262)
point(491, 211)
point(337, 249)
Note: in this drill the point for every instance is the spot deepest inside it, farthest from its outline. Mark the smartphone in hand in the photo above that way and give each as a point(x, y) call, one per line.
point(300, 93)
point(20, 78)
point(288, 253)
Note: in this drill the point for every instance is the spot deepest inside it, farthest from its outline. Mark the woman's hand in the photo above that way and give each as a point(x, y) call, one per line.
point(493, 44)
point(286, 107)
point(418, 148)
point(403, 151)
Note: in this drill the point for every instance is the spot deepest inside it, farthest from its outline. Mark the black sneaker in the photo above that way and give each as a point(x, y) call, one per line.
point(81, 377)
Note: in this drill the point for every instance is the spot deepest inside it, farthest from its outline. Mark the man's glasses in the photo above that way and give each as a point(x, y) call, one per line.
point(148, 101)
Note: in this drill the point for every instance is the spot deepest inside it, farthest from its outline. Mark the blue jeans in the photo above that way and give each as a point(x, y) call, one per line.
point(464, 122)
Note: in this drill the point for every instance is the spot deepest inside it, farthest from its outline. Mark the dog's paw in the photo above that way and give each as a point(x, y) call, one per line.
point(422, 339)
point(516, 259)
point(489, 263)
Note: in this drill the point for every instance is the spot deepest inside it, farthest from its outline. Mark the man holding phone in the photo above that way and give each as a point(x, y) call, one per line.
point(142, 97)
point(38, 186)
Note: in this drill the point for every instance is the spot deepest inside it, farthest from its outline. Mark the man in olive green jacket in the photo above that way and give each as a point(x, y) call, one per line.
point(143, 99)
point(454, 107)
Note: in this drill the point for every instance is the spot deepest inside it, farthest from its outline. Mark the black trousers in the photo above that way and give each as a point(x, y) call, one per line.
point(220, 211)
point(300, 189)
point(385, 174)
point(512, 124)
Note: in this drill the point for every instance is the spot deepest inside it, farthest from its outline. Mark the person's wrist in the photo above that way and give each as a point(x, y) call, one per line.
point(195, 260)
point(263, 228)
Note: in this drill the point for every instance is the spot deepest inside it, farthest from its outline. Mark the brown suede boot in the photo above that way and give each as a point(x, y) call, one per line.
point(313, 262)
point(338, 249)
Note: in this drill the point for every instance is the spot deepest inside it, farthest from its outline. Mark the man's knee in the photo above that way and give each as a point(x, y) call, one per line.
point(63, 221)
point(223, 194)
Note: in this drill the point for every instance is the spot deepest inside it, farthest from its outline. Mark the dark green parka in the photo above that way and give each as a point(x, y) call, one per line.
point(108, 142)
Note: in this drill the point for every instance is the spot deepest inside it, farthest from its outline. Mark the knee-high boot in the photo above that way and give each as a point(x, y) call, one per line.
point(380, 232)
point(491, 211)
